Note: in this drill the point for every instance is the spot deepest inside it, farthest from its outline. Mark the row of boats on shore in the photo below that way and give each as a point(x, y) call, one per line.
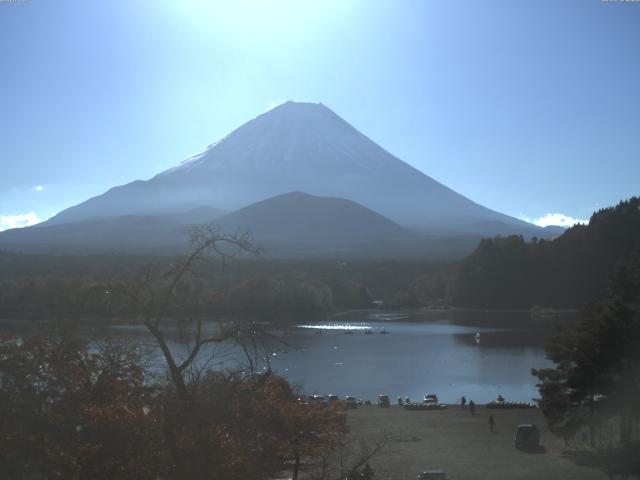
point(429, 402)
point(369, 331)
point(384, 331)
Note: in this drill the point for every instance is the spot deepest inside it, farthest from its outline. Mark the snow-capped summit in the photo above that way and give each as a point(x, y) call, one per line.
point(291, 135)
point(299, 147)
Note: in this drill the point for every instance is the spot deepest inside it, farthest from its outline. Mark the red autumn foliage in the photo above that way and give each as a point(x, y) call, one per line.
point(71, 410)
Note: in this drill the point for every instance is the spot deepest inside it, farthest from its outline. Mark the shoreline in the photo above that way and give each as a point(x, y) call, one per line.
point(417, 315)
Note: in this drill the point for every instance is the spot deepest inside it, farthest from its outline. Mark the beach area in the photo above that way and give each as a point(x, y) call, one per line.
point(462, 445)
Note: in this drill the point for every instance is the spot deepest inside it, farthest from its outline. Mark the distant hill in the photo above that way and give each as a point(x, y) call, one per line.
point(201, 214)
point(301, 147)
point(300, 221)
point(125, 234)
point(157, 234)
point(297, 224)
point(292, 225)
point(574, 268)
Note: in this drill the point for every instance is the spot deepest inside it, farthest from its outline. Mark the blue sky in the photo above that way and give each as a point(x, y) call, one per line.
point(527, 107)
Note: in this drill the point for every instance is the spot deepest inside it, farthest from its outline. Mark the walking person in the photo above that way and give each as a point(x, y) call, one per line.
point(492, 422)
point(472, 407)
point(463, 402)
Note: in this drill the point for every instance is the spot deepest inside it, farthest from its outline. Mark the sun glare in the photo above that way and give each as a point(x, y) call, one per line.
point(244, 21)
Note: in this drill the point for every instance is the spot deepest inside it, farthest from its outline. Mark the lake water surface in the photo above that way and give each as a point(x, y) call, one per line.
point(423, 352)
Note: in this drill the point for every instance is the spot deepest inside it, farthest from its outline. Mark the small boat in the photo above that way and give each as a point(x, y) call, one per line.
point(348, 332)
point(384, 332)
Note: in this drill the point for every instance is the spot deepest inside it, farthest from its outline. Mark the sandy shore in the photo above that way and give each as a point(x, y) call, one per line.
point(462, 445)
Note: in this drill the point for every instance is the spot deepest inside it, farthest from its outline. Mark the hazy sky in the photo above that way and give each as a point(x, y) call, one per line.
point(526, 107)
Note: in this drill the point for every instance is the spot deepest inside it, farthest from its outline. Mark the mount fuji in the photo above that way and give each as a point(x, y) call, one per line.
point(295, 147)
point(302, 147)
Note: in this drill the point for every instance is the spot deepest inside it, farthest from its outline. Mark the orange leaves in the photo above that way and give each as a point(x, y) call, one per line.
point(76, 412)
point(71, 411)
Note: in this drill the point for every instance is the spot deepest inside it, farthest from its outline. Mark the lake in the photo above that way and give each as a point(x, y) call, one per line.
point(423, 352)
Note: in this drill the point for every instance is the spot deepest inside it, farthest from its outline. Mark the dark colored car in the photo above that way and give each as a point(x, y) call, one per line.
point(527, 437)
point(319, 399)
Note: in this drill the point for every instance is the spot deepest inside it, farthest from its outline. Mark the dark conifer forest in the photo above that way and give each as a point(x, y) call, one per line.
point(510, 272)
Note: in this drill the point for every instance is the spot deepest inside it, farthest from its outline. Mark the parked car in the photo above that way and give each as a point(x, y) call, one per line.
point(432, 475)
point(319, 399)
point(527, 437)
point(351, 402)
point(383, 401)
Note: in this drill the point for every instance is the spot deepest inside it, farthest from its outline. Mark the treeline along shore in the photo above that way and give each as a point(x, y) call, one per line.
point(503, 273)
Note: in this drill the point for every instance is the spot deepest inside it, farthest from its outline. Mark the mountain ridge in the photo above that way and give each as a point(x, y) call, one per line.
point(301, 147)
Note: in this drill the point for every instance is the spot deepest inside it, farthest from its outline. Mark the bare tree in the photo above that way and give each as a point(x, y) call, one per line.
point(154, 294)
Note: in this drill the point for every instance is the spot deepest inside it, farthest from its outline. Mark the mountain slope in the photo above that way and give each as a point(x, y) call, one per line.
point(300, 225)
point(292, 225)
point(128, 233)
point(300, 147)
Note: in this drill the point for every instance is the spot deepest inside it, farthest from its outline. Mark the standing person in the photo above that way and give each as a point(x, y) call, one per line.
point(472, 407)
point(492, 422)
point(463, 402)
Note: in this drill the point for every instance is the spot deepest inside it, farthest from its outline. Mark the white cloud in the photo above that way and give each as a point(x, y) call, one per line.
point(18, 221)
point(38, 188)
point(559, 219)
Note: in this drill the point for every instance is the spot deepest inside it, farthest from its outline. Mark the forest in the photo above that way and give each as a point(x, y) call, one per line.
point(251, 288)
point(502, 273)
point(566, 272)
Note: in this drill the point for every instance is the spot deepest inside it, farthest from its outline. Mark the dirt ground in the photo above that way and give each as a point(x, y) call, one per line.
point(462, 445)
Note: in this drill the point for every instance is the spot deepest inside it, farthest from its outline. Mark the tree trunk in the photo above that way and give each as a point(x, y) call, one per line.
point(199, 465)
point(296, 464)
